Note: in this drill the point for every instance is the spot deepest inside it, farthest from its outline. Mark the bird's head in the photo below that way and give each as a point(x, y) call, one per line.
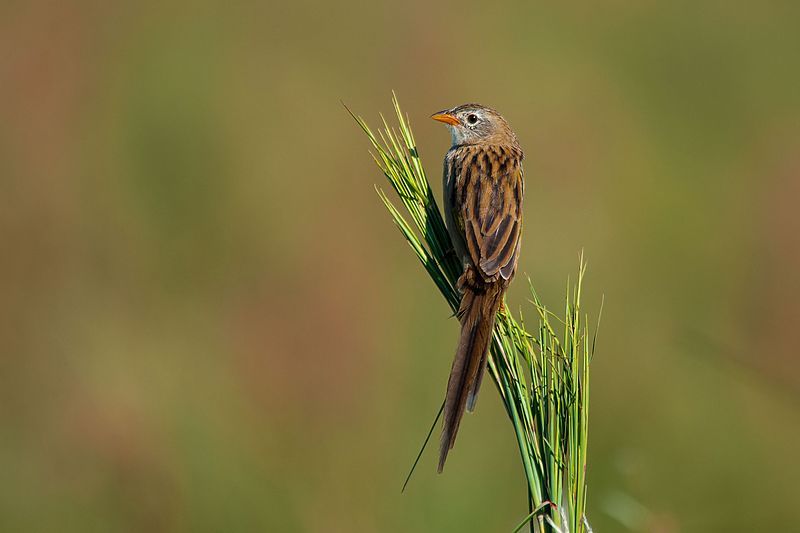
point(476, 124)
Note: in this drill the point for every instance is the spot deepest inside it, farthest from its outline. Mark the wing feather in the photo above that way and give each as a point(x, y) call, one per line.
point(491, 209)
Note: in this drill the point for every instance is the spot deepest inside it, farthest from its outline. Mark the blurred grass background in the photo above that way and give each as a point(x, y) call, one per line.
point(208, 322)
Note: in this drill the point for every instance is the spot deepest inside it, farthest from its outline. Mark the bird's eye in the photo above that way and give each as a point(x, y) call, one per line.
point(472, 118)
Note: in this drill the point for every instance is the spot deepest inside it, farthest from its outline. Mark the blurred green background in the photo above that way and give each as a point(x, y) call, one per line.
point(209, 323)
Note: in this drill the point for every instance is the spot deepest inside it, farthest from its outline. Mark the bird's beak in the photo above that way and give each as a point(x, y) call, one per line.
point(445, 117)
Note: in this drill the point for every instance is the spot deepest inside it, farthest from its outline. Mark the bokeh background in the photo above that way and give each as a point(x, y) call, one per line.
point(209, 323)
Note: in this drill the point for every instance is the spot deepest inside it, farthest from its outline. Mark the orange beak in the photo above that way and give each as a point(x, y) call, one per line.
point(447, 118)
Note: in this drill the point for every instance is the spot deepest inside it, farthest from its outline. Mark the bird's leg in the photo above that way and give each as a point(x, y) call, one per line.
point(466, 279)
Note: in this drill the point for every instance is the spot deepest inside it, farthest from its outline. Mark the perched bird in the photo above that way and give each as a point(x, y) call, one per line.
point(483, 191)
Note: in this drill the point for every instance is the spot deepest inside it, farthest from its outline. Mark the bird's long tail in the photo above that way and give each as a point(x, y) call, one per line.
point(479, 305)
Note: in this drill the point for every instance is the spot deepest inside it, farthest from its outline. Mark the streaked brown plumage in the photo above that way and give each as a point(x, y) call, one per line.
point(483, 190)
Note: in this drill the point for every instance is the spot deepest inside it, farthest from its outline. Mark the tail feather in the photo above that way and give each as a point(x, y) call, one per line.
point(472, 396)
point(477, 314)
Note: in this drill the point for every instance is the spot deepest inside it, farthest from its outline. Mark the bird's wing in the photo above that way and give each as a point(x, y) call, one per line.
point(491, 209)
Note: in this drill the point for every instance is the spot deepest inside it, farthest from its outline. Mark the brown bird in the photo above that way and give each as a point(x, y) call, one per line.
point(483, 191)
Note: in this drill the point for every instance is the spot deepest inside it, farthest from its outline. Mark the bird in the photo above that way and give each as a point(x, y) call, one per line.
point(483, 192)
